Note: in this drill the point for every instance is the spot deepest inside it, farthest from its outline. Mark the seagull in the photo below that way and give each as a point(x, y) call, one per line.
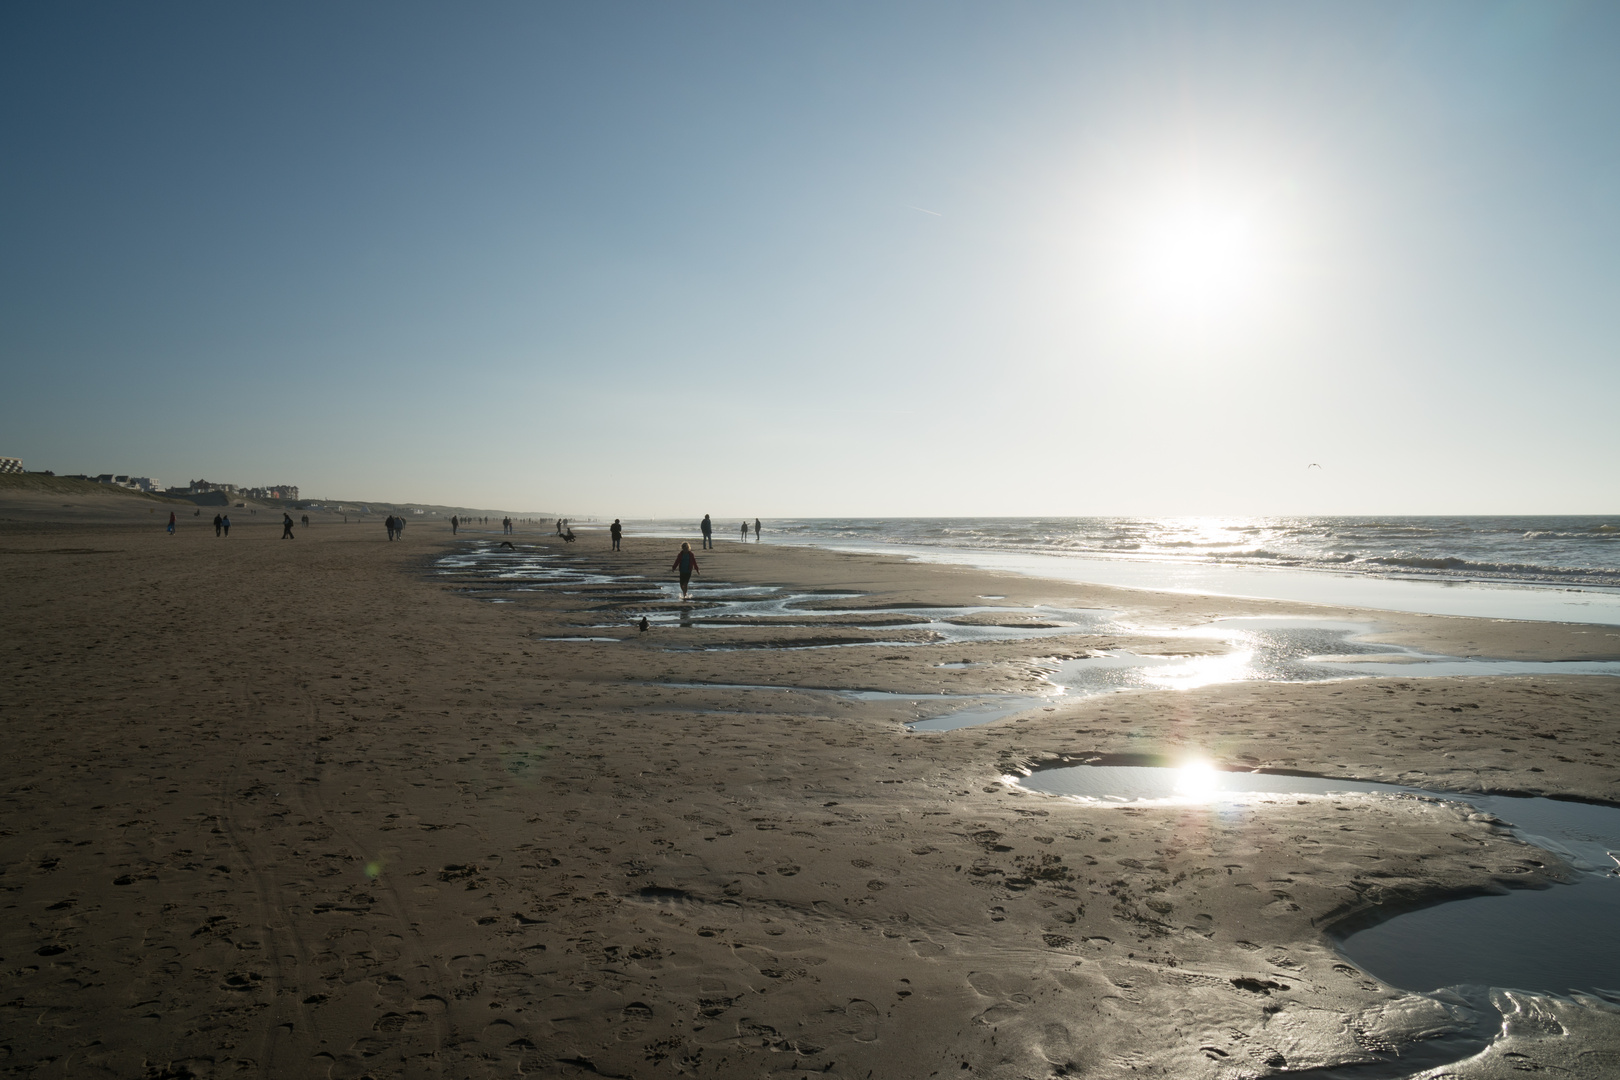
point(1312, 465)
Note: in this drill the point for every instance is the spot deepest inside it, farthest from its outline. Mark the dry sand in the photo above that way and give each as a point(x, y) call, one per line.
point(303, 808)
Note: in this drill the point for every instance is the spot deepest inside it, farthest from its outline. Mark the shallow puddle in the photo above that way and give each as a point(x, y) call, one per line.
point(1283, 650)
point(1557, 940)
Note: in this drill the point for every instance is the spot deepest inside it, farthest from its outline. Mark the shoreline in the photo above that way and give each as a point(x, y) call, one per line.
point(361, 820)
point(1461, 597)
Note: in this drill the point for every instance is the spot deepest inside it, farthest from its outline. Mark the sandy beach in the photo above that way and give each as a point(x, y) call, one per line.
point(315, 808)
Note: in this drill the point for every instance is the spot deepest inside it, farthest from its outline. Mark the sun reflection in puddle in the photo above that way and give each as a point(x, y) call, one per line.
point(1197, 780)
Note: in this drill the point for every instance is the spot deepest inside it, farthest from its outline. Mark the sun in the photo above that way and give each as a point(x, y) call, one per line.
point(1196, 262)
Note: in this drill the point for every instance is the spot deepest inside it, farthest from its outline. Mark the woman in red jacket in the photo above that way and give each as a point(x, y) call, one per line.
point(686, 563)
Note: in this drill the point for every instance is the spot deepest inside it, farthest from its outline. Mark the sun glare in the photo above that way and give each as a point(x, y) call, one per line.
point(1196, 263)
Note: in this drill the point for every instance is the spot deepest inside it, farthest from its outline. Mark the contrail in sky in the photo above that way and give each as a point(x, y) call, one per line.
point(936, 213)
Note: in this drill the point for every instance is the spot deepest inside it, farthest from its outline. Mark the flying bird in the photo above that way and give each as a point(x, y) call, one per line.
point(1312, 465)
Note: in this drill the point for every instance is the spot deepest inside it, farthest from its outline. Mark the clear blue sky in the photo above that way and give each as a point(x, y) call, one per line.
point(821, 259)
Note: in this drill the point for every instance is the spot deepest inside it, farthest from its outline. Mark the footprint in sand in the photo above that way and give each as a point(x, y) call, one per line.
point(860, 1021)
point(634, 1016)
point(1057, 1045)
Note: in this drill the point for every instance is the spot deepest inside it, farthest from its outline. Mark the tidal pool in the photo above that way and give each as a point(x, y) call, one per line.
point(1558, 940)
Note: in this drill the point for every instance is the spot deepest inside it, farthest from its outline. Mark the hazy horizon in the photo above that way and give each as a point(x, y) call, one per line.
point(905, 260)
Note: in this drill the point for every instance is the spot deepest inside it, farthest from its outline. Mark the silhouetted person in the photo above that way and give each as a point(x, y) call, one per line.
point(171, 522)
point(226, 522)
point(389, 521)
point(286, 526)
point(745, 531)
point(756, 530)
point(304, 520)
point(708, 532)
point(686, 563)
point(645, 625)
point(454, 524)
point(617, 532)
point(218, 521)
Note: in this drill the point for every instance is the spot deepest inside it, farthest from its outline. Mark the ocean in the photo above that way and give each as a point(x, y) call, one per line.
point(1558, 551)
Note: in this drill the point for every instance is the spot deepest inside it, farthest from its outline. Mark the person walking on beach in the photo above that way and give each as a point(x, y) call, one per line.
point(686, 563)
point(756, 530)
point(745, 532)
point(218, 521)
point(389, 521)
point(226, 522)
point(617, 532)
point(708, 533)
point(171, 522)
point(286, 526)
point(304, 520)
point(454, 524)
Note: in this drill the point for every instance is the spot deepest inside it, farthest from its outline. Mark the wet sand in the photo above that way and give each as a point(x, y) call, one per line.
point(308, 808)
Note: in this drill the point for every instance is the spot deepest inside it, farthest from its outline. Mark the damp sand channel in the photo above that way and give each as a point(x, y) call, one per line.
point(1229, 650)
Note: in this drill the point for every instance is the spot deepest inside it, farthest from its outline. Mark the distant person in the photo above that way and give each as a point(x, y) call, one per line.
point(226, 523)
point(286, 526)
point(559, 526)
point(399, 527)
point(171, 522)
point(304, 520)
point(745, 532)
point(645, 625)
point(708, 532)
point(687, 564)
point(617, 532)
point(506, 523)
point(756, 530)
point(454, 524)
point(389, 521)
point(218, 522)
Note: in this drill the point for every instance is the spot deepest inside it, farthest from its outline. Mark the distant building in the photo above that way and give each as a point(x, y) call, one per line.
point(10, 465)
point(273, 491)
